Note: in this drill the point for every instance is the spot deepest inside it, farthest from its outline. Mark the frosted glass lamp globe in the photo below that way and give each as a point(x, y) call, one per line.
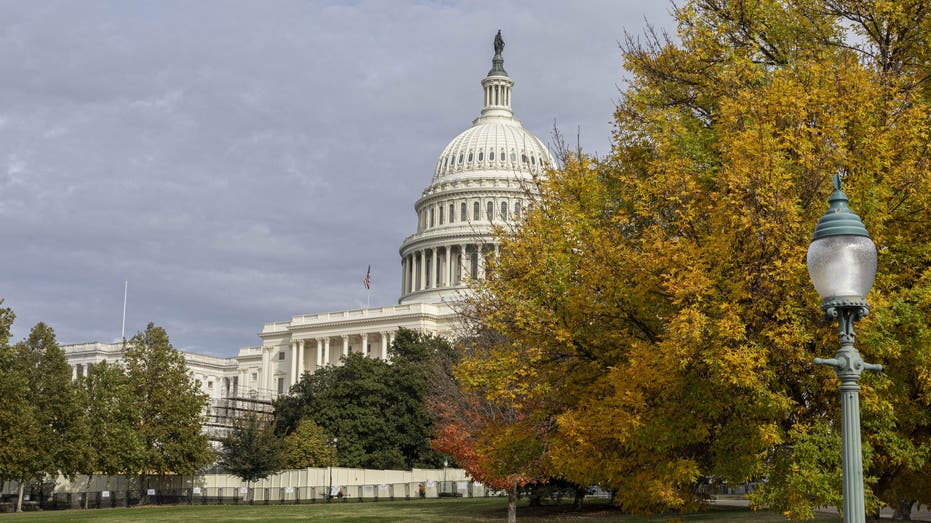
point(842, 266)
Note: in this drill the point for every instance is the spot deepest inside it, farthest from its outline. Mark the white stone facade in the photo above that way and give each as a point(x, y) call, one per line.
point(484, 178)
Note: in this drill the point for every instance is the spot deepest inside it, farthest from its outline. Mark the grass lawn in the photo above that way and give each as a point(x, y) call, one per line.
point(430, 510)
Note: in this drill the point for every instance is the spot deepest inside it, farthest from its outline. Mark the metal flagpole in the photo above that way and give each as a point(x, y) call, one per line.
point(123, 328)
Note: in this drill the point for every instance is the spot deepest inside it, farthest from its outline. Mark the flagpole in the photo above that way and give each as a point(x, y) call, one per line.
point(123, 328)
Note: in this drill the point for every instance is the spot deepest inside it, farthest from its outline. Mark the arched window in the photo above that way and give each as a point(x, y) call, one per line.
point(452, 213)
point(490, 210)
point(532, 160)
point(504, 210)
point(470, 156)
point(491, 156)
point(523, 157)
point(431, 216)
point(462, 212)
point(513, 157)
point(517, 210)
point(460, 157)
point(481, 155)
point(475, 211)
point(441, 215)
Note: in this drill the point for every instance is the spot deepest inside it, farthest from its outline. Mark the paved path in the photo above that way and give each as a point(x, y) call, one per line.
point(923, 514)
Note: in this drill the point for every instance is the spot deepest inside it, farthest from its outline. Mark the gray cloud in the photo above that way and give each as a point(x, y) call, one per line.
point(242, 162)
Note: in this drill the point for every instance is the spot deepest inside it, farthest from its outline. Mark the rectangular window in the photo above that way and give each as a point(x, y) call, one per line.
point(280, 355)
point(255, 376)
point(441, 214)
point(280, 385)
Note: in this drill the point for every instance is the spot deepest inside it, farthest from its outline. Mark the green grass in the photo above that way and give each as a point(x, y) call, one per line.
point(431, 510)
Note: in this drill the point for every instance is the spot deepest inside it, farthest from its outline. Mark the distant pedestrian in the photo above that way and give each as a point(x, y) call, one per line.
point(340, 493)
point(422, 491)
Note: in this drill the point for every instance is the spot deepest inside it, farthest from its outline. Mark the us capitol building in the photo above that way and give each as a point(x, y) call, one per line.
point(482, 180)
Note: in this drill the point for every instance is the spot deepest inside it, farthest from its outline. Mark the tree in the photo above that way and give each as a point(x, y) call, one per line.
point(306, 446)
point(376, 410)
point(114, 445)
point(54, 424)
point(16, 422)
point(169, 406)
point(491, 435)
point(252, 450)
point(655, 318)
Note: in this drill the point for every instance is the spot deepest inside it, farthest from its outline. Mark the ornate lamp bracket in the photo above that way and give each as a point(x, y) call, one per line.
point(847, 361)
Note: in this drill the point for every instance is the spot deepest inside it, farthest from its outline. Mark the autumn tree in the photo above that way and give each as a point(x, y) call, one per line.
point(168, 404)
point(306, 446)
point(654, 314)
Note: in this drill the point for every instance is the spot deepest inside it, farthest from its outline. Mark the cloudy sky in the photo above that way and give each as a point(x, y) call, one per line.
point(242, 162)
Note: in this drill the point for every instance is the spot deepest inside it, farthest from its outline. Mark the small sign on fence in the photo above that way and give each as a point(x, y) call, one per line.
point(105, 493)
point(289, 490)
point(150, 492)
point(243, 490)
point(196, 491)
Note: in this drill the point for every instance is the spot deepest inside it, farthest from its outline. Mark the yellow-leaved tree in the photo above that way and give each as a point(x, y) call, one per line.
point(654, 311)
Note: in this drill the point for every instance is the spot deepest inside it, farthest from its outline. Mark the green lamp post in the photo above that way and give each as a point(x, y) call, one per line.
point(842, 265)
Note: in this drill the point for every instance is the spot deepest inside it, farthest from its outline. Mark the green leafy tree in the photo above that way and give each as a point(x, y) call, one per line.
point(114, 444)
point(17, 425)
point(306, 446)
point(252, 450)
point(54, 420)
point(376, 410)
point(168, 404)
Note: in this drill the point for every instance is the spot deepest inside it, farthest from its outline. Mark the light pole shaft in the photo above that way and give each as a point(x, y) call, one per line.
point(852, 453)
point(849, 365)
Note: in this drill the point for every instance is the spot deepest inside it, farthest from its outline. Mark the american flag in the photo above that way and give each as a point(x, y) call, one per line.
point(367, 280)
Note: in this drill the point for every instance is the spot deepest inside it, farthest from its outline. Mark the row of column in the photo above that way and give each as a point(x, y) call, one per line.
point(422, 269)
point(323, 356)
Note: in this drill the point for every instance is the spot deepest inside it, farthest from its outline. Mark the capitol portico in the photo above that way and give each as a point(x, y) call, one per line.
point(485, 178)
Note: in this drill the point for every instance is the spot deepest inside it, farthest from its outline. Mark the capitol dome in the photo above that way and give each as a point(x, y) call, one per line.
point(484, 178)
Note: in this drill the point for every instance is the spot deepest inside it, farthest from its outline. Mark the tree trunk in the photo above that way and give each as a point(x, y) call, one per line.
point(90, 478)
point(903, 512)
point(579, 496)
point(19, 498)
point(512, 504)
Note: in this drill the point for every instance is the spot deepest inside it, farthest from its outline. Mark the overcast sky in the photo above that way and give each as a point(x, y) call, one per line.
point(243, 162)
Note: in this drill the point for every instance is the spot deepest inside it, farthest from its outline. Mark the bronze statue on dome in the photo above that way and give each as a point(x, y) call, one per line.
point(499, 43)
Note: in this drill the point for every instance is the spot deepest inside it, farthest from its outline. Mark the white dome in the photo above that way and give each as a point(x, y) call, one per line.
point(495, 144)
point(482, 180)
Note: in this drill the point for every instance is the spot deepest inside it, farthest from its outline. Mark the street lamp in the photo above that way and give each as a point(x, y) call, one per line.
point(842, 266)
point(332, 444)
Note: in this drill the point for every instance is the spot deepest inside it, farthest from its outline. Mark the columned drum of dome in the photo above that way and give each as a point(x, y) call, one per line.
point(482, 179)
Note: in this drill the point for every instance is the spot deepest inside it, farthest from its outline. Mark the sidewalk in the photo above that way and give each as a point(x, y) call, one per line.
point(922, 514)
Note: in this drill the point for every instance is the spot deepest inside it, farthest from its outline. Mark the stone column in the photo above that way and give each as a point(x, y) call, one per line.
point(449, 265)
point(434, 261)
point(463, 248)
point(293, 379)
point(391, 336)
point(326, 351)
point(345, 346)
point(480, 262)
point(365, 344)
point(300, 360)
point(423, 270)
point(403, 275)
point(263, 379)
point(384, 345)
